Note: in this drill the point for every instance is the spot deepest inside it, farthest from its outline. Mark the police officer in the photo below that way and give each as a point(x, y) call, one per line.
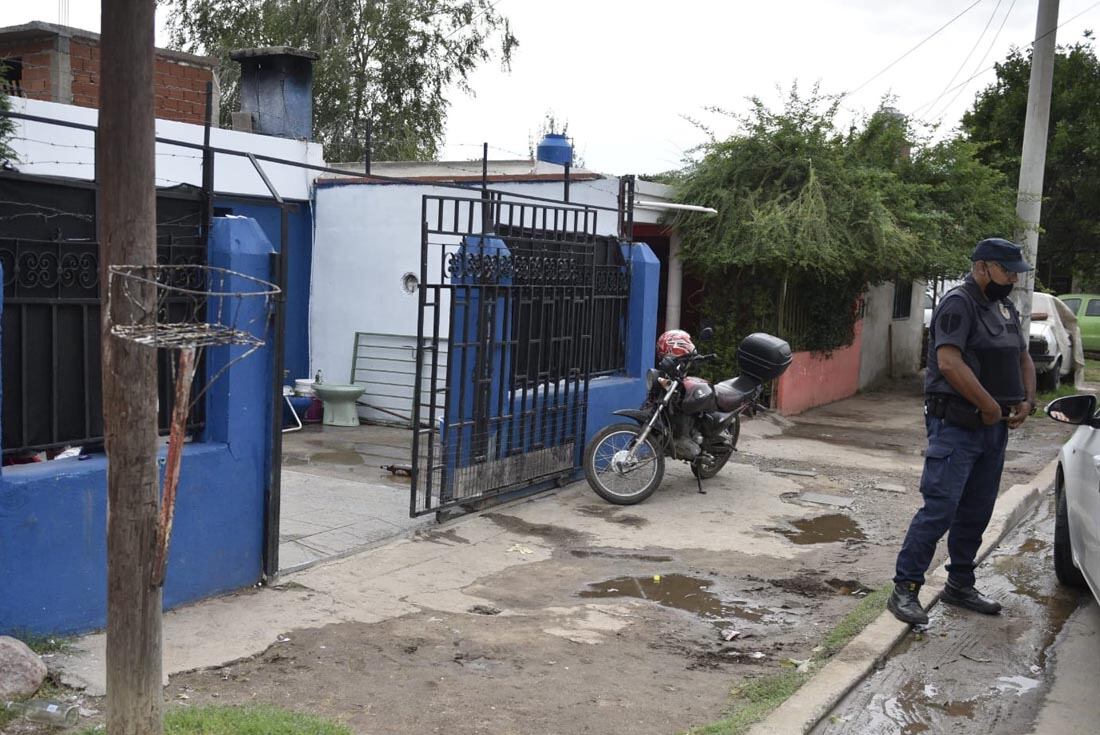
point(980, 383)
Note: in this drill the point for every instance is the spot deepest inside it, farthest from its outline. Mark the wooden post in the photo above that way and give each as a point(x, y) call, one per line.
point(127, 236)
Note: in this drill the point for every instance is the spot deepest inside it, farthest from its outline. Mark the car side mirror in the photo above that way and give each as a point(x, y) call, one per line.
point(706, 335)
point(1076, 410)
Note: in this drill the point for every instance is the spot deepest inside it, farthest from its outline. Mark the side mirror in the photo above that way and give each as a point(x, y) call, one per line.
point(1076, 410)
point(706, 335)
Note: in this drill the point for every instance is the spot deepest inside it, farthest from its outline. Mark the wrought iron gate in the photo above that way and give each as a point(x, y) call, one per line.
point(508, 300)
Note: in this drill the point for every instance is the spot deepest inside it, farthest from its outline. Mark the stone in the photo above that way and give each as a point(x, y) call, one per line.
point(822, 499)
point(790, 471)
point(21, 670)
point(890, 488)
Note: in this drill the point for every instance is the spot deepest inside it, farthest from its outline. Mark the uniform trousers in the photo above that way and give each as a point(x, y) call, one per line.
point(962, 473)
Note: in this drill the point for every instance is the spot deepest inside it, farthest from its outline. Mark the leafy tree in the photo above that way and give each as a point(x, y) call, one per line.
point(1070, 242)
point(387, 61)
point(7, 125)
point(818, 214)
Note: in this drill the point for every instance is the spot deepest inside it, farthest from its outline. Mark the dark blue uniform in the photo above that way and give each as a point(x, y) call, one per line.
point(962, 466)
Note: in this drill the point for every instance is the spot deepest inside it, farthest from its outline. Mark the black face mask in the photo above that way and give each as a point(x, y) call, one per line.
point(996, 291)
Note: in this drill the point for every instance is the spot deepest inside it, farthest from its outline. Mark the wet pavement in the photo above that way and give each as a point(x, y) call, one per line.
point(969, 673)
point(337, 498)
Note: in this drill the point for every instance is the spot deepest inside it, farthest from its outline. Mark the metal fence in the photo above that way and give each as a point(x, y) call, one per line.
point(51, 320)
point(512, 289)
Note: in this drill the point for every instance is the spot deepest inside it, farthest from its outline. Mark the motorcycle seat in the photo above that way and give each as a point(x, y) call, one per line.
point(732, 393)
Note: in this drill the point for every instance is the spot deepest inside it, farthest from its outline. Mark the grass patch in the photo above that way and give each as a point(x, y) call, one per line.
point(1092, 370)
point(754, 700)
point(42, 644)
point(242, 721)
point(1064, 389)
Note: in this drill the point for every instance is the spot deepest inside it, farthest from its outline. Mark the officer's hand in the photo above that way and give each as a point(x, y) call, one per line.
point(1019, 413)
point(991, 413)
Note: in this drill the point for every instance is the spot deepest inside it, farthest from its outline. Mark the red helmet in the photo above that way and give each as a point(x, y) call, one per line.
point(674, 343)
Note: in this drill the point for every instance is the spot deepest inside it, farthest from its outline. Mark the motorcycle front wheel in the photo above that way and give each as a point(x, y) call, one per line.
point(614, 474)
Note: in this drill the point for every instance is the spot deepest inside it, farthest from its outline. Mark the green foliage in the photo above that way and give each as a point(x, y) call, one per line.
point(1071, 181)
point(7, 125)
point(42, 643)
point(821, 214)
point(387, 61)
point(242, 721)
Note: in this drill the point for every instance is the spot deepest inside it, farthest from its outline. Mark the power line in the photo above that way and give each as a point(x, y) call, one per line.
point(977, 74)
point(973, 48)
point(903, 56)
point(960, 89)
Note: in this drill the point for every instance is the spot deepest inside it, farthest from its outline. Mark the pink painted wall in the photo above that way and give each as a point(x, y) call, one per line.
point(814, 380)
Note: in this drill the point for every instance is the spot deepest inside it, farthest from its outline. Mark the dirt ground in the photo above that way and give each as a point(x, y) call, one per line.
point(619, 624)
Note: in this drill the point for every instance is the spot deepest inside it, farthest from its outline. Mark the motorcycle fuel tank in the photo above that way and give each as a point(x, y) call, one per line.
point(698, 396)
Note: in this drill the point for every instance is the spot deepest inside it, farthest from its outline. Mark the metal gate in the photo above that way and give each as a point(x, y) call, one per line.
point(505, 344)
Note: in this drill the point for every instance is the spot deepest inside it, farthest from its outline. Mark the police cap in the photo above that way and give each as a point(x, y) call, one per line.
point(1006, 253)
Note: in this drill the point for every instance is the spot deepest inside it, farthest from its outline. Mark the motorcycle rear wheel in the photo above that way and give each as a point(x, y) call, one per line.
point(623, 485)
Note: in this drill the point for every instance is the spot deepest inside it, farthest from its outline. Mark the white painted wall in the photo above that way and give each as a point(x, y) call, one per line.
point(52, 150)
point(890, 344)
point(367, 237)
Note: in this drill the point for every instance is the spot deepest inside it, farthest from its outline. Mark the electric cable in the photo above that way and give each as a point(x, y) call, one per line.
point(970, 53)
point(893, 63)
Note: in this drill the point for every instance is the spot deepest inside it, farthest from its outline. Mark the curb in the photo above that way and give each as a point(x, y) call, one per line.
point(850, 665)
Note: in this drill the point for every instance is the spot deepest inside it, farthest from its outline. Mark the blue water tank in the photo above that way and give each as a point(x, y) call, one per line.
point(555, 148)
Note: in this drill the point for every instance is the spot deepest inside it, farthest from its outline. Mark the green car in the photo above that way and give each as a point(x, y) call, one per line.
point(1087, 308)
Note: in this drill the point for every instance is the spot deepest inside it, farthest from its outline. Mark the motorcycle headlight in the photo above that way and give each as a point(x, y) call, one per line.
point(651, 378)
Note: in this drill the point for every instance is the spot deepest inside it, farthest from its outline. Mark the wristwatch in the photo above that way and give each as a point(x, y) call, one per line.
point(1034, 408)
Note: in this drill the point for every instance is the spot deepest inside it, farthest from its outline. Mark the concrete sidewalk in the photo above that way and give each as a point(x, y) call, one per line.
point(336, 498)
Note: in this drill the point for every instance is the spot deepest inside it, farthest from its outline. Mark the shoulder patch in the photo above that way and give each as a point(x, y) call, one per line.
point(949, 322)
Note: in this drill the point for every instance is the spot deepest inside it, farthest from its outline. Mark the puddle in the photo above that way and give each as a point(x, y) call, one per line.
point(681, 592)
point(344, 458)
point(1018, 685)
point(822, 530)
point(848, 586)
point(448, 538)
point(588, 553)
point(1033, 544)
point(610, 513)
point(556, 534)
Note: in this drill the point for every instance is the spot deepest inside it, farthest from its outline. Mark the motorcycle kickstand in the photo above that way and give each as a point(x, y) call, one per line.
point(699, 482)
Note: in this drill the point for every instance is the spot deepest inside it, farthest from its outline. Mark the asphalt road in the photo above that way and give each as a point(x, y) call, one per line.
point(1032, 669)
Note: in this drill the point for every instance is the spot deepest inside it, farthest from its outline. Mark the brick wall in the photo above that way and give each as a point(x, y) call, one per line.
point(180, 87)
point(35, 55)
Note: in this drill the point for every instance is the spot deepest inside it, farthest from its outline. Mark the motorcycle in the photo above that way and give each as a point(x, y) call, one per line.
point(683, 417)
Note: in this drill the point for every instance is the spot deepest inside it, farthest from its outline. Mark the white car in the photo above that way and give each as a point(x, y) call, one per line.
point(1052, 339)
point(1077, 494)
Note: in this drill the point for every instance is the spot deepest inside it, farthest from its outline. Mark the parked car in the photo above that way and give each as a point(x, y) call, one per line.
point(1077, 495)
point(1086, 307)
point(1051, 340)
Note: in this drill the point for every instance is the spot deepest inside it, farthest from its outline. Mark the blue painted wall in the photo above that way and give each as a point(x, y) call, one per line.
point(53, 515)
point(300, 241)
point(628, 391)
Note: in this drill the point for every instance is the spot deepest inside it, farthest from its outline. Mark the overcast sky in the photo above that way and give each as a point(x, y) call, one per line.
point(625, 73)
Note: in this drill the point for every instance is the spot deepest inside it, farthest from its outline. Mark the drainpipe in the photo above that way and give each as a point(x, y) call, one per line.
point(675, 282)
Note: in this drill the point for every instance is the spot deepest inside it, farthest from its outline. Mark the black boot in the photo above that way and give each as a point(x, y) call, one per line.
point(905, 604)
point(969, 598)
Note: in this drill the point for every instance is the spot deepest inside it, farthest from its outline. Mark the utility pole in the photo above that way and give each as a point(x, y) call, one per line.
point(127, 236)
point(1029, 196)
